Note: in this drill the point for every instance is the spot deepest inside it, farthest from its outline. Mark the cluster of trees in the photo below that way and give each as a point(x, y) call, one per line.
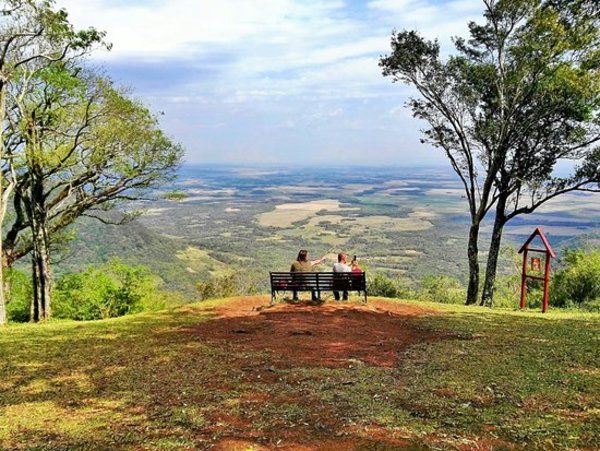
point(520, 96)
point(97, 292)
point(575, 284)
point(72, 144)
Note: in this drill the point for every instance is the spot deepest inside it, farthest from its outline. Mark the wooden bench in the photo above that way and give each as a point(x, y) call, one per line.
point(318, 281)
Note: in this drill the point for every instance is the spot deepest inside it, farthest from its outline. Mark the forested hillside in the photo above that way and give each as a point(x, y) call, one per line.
point(132, 242)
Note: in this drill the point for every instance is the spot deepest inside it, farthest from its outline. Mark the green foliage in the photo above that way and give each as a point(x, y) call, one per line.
point(507, 288)
point(176, 195)
point(18, 295)
point(382, 285)
point(517, 97)
point(89, 134)
point(96, 243)
point(507, 291)
point(233, 284)
point(577, 284)
point(114, 289)
point(443, 289)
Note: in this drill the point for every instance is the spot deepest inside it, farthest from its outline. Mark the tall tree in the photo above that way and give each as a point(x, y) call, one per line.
point(85, 147)
point(497, 107)
point(553, 102)
point(454, 101)
point(31, 31)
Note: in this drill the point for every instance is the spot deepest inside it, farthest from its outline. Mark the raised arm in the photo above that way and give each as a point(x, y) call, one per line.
point(319, 261)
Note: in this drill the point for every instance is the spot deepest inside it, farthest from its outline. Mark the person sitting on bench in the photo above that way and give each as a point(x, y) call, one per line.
point(303, 265)
point(340, 267)
point(354, 265)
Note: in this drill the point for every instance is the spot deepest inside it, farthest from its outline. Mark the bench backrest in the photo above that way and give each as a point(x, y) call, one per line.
point(355, 281)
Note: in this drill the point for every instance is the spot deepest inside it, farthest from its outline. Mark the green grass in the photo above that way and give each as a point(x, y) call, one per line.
point(532, 379)
point(497, 378)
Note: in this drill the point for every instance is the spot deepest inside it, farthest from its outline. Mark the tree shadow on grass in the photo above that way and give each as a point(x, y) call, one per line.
point(295, 376)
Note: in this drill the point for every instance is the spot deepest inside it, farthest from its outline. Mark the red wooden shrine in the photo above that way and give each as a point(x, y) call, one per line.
point(535, 266)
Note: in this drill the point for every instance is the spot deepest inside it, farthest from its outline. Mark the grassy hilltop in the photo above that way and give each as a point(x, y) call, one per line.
point(235, 375)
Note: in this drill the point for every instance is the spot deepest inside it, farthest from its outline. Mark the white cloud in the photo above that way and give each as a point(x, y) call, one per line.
point(434, 19)
point(183, 27)
point(268, 74)
point(310, 41)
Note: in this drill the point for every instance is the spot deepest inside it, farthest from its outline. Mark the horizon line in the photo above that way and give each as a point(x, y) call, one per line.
point(315, 165)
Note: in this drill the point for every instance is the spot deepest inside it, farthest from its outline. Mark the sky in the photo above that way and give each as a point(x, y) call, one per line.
point(277, 82)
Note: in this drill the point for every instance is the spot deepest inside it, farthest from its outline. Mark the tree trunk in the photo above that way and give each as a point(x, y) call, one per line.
point(473, 255)
point(36, 308)
point(3, 317)
point(40, 255)
point(2, 303)
point(2, 206)
point(46, 280)
point(487, 297)
point(42, 283)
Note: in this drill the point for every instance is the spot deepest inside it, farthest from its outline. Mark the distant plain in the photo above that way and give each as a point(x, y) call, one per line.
point(412, 221)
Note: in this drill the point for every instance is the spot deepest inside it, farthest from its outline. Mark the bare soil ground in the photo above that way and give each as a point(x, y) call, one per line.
point(329, 335)
point(302, 335)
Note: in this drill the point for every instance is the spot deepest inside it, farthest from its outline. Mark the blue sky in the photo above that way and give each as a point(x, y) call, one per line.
point(273, 81)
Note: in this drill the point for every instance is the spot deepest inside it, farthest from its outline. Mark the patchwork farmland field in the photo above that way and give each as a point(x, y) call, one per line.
point(410, 221)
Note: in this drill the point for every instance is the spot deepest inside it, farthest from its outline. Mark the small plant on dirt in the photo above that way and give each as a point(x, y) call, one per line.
point(19, 294)
point(234, 284)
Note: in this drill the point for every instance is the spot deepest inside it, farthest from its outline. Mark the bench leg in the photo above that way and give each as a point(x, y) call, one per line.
point(273, 295)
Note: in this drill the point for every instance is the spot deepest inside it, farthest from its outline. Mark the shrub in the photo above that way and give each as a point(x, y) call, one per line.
point(18, 296)
point(443, 289)
point(507, 291)
point(233, 284)
point(577, 284)
point(381, 285)
point(111, 290)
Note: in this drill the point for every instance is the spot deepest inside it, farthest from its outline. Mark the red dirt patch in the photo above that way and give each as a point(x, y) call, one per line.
point(231, 444)
point(330, 335)
point(279, 407)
